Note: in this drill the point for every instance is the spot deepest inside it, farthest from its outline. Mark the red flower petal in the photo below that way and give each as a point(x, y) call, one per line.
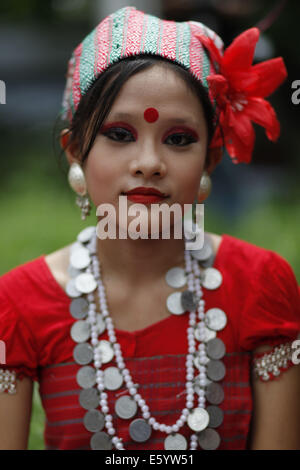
point(217, 140)
point(218, 85)
point(269, 75)
point(238, 135)
point(241, 81)
point(238, 84)
point(239, 55)
point(241, 124)
point(238, 149)
point(262, 113)
point(211, 47)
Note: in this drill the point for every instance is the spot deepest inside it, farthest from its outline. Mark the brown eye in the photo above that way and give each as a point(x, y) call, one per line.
point(119, 135)
point(181, 140)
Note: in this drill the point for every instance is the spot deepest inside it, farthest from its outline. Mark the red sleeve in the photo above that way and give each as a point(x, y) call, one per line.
point(20, 352)
point(271, 313)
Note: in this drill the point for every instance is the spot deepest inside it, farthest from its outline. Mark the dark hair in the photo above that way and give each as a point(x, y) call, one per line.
point(98, 100)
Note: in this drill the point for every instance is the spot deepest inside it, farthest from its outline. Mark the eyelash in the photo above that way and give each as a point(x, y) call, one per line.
point(125, 133)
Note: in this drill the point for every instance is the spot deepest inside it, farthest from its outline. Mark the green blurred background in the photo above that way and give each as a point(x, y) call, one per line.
point(258, 202)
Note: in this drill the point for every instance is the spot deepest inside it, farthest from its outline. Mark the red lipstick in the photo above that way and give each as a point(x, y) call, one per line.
point(145, 195)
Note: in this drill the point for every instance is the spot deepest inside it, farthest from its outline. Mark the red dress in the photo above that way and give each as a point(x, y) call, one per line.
point(259, 294)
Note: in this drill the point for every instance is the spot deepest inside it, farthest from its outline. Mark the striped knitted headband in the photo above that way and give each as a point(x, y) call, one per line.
point(231, 81)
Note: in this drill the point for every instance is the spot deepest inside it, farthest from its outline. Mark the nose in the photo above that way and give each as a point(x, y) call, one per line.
point(148, 163)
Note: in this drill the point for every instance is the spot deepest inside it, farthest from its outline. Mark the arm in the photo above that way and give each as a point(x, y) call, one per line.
point(15, 413)
point(276, 411)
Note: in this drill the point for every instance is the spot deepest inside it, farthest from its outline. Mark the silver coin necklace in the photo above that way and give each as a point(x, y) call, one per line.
point(205, 352)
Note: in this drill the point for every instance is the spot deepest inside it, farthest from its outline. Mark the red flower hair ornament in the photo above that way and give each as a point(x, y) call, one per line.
point(239, 89)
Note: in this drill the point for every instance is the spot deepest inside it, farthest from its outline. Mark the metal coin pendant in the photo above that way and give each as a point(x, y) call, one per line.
point(106, 350)
point(215, 370)
point(216, 416)
point(100, 324)
point(188, 301)
point(86, 234)
point(211, 278)
point(205, 252)
point(198, 419)
point(175, 442)
point(101, 441)
point(94, 420)
point(83, 354)
point(199, 388)
point(214, 393)
point(73, 272)
point(208, 335)
point(86, 377)
point(209, 439)
point(80, 331)
point(191, 231)
point(140, 430)
point(126, 407)
point(176, 277)
point(89, 398)
point(80, 258)
point(174, 303)
point(113, 378)
point(79, 308)
point(215, 348)
point(209, 262)
point(76, 246)
point(198, 363)
point(215, 319)
point(85, 283)
point(72, 290)
point(197, 385)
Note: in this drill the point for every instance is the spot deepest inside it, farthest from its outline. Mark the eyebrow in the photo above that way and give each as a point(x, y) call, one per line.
point(174, 119)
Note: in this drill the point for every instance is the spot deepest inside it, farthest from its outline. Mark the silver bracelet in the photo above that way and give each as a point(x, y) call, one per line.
point(8, 381)
point(270, 362)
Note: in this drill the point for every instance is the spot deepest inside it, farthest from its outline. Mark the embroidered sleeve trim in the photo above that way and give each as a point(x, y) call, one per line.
point(8, 381)
point(268, 366)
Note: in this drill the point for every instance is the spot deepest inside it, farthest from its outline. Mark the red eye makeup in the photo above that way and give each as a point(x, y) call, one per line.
point(113, 125)
point(181, 129)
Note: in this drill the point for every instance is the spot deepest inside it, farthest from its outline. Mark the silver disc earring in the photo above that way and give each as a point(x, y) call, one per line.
point(77, 182)
point(204, 187)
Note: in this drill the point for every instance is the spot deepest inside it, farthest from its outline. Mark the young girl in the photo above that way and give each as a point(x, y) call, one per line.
point(146, 343)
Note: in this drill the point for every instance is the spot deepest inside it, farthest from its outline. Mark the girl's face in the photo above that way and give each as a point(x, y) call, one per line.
point(162, 148)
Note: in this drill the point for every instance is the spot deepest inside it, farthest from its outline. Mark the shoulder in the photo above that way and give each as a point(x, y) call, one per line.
point(216, 241)
point(58, 262)
point(254, 260)
point(38, 276)
point(265, 293)
point(16, 278)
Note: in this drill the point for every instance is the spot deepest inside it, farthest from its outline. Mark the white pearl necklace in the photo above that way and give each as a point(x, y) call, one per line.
point(193, 281)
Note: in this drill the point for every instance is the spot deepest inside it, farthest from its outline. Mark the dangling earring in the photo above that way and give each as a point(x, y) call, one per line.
point(77, 182)
point(204, 187)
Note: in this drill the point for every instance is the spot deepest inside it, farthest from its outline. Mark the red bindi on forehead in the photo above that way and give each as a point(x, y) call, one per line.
point(151, 115)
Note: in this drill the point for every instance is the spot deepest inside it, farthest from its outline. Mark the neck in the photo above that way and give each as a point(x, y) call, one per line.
point(139, 261)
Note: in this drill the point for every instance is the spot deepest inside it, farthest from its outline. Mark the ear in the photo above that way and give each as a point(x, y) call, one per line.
point(213, 158)
point(71, 150)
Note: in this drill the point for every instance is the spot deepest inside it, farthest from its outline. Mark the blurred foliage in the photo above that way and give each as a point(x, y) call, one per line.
point(36, 434)
point(46, 11)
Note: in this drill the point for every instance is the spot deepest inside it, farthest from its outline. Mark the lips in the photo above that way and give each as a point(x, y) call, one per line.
point(141, 190)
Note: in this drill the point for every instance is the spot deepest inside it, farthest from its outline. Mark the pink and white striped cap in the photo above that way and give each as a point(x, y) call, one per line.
point(128, 32)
